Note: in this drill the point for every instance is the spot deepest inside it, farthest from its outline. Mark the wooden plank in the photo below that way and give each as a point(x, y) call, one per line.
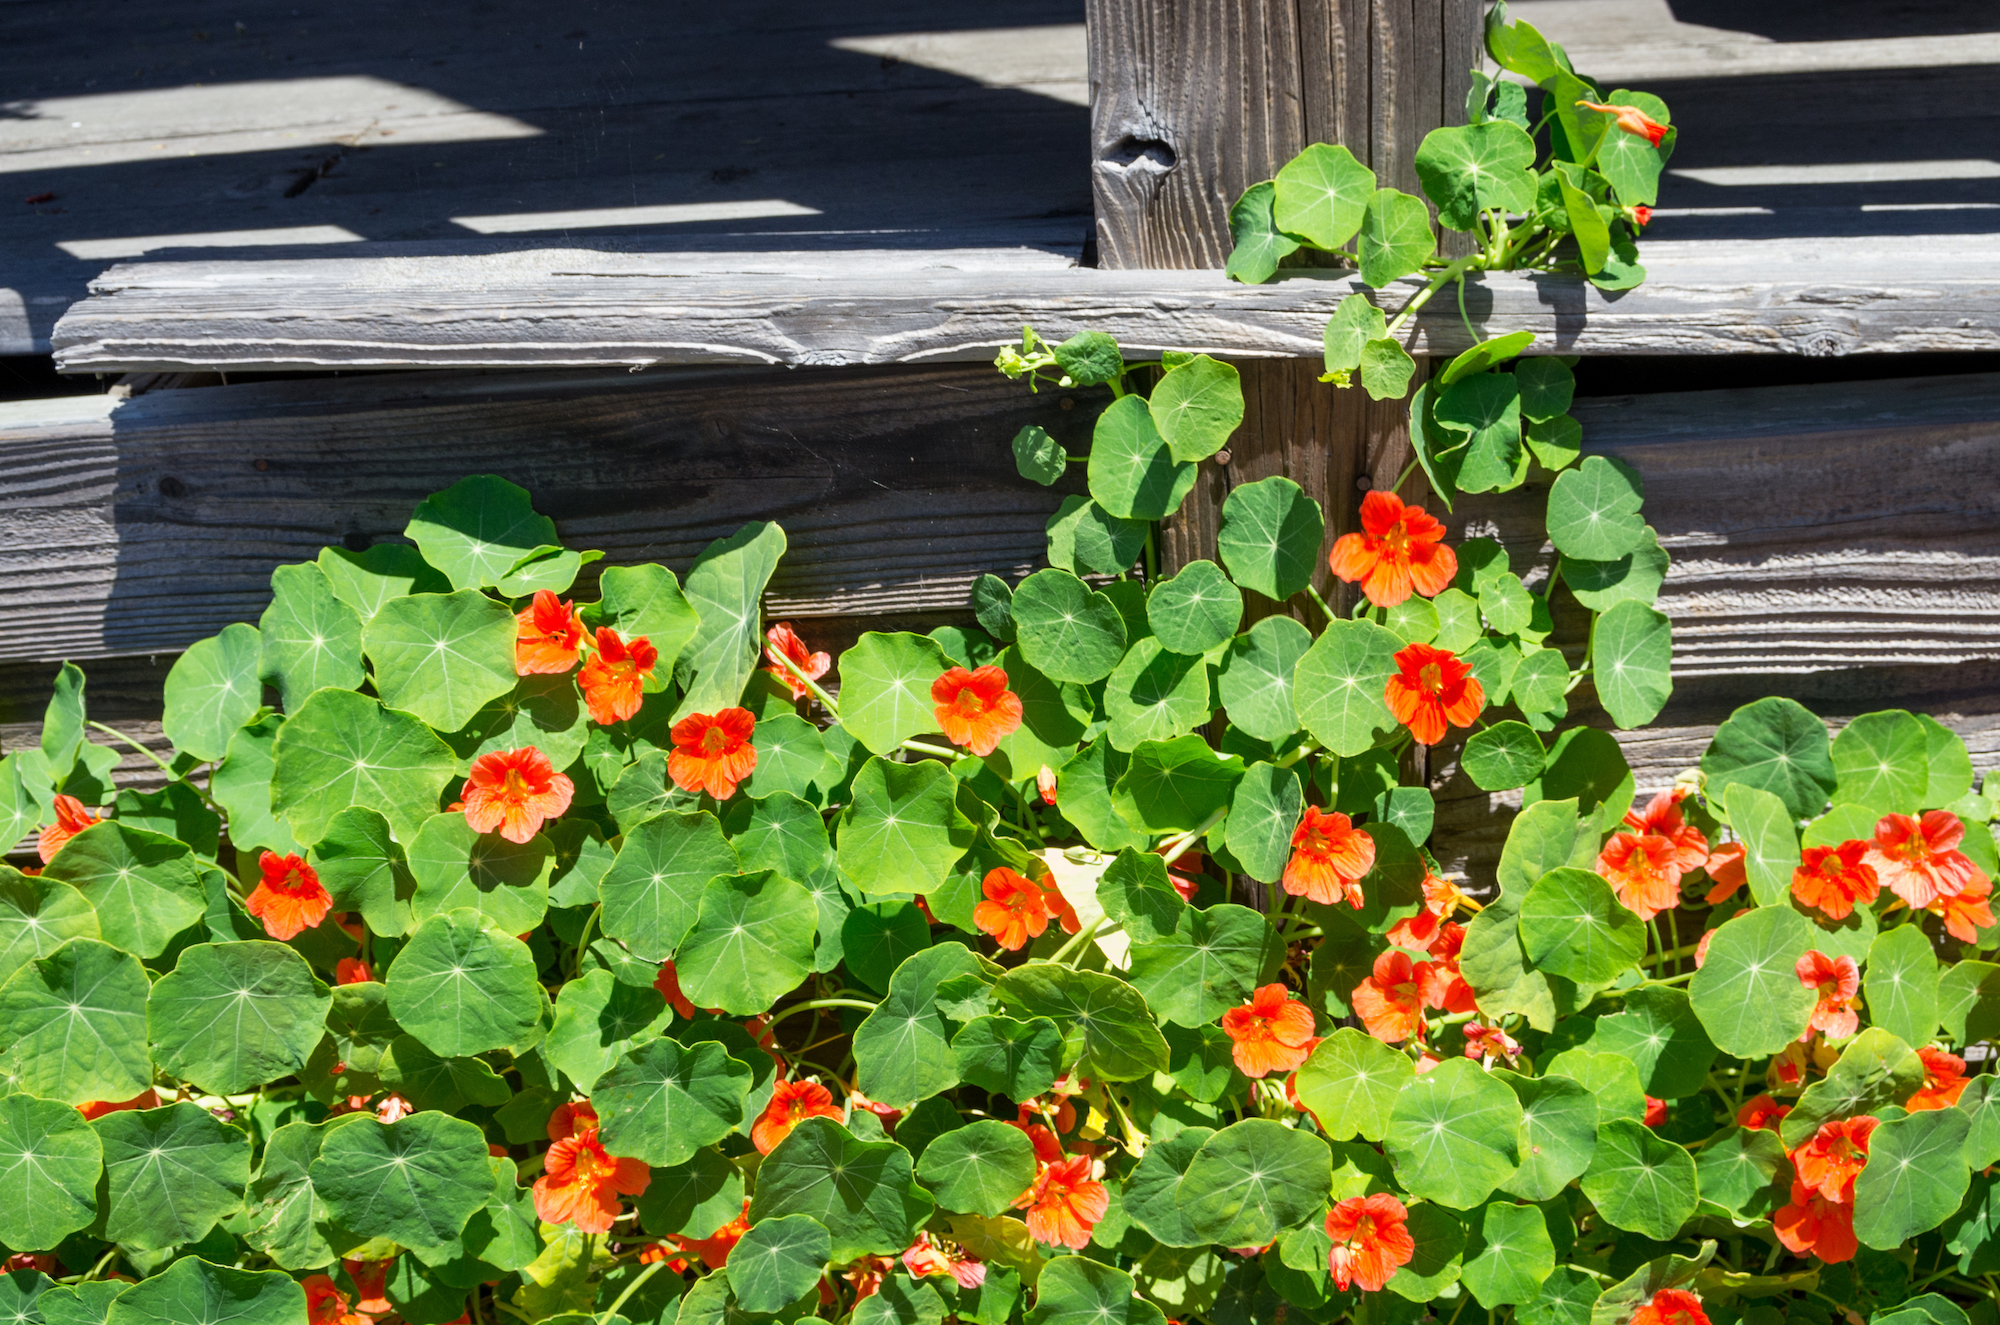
point(573, 308)
point(140, 526)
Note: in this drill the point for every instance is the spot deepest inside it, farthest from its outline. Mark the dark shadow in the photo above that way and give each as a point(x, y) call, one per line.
point(628, 104)
point(1838, 20)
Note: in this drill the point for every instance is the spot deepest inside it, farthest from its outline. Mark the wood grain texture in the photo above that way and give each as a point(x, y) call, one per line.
point(573, 308)
point(1192, 104)
point(141, 526)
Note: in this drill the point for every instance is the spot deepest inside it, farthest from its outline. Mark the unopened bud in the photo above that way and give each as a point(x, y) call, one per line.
point(1045, 782)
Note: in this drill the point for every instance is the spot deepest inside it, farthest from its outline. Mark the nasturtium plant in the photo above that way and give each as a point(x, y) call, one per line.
point(508, 937)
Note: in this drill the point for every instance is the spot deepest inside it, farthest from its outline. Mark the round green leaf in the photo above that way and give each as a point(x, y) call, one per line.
point(170, 1173)
point(1320, 195)
point(1395, 237)
point(363, 869)
point(1503, 756)
point(1486, 409)
point(415, 1181)
point(73, 1025)
point(241, 786)
point(1438, 1257)
point(1574, 926)
point(1196, 405)
point(1770, 840)
point(1151, 1196)
point(1154, 695)
point(902, 830)
point(1774, 745)
point(544, 711)
point(1594, 510)
point(1065, 630)
point(1355, 323)
point(144, 886)
point(310, 638)
point(1660, 1033)
point(860, 1190)
point(1270, 536)
point(1747, 993)
point(1875, 1070)
point(231, 1016)
point(1054, 716)
point(50, 1159)
point(38, 915)
point(441, 657)
point(1508, 1253)
point(367, 579)
point(751, 944)
point(790, 755)
point(653, 887)
point(1262, 815)
point(1132, 472)
point(1740, 1167)
point(694, 1198)
point(1258, 242)
point(979, 1168)
point(664, 1100)
point(598, 1020)
point(1015, 1059)
point(902, 1049)
point(1038, 456)
point(1640, 1182)
point(477, 530)
point(1557, 443)
point(465, 989)
point(1901, 984)
point(212, 690)
point(1211, 962)
point(1087, 539)
point(193, 1291)
point(1255, 679)
point(455, 867)
point(1470, 169)
point(1076, 1291)
point(1915, 1177)
point(885, 688)
point(1104, 1017)
point(1612, 1079)
point(1632, 654)
point(777, 1262)
point(1558, 1134)
point(342, 749)
point(726, 587)
point(1882, 761)
point(875, 939)
point(1339, 684)
point(1386, 369)
point(1252, 1180)
point(645, 600)
point(1634, 577)
point(1195, 611)
point(1351, 1084)
point(1453, 1134)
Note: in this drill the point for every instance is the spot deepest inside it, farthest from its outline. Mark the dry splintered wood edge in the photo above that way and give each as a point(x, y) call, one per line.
point(574, 308)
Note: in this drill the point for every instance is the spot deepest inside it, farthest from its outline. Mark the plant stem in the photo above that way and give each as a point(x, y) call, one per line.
point(638, 1282)
point(1404, 477)
point(583, 939)
point(164, 766)
point(942, 751)
point(1320, 603)
point(789, 665)
point(1182, 841)
point(814, 1003)
point(1076, 941)
point(1443, 278)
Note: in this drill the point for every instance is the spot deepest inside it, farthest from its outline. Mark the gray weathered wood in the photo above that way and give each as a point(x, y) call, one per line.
point(573, 308)
point(141, 526)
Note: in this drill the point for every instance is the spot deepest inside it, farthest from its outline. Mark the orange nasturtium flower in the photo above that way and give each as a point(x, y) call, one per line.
point(1633, 121)
point(792, 1102)
point(712, 752)
point(782, 641)
point(715, 1248)
point(1671, 1306)
point(1811, 1224)
point(1430, 689)
point(928, 1256)
point(1835, 879)
point(1371, 1240)
point(1726, 872)
point(1015, 909)
point(371, 1285)
point(1833, 1158)
point(145, 1099)
point(976, 709)
point(1390, 1001)
point(1329, 856)
point(1966, 913)
point(668, 982)
point(326, 1304)
point(289, 898)
point(581, 1181)
point(614, 680)
point(548, 636)
point(1837, 979)
point(1273, 1032)
point(1065, 1203)
point(1944, 1081)
point(1919, 859)
point(71, 818)
point(1398, 549)
point(1761, 1112)
point(515, 791)
point(1640, 869)
point(571, 1117)
point(352, 971)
